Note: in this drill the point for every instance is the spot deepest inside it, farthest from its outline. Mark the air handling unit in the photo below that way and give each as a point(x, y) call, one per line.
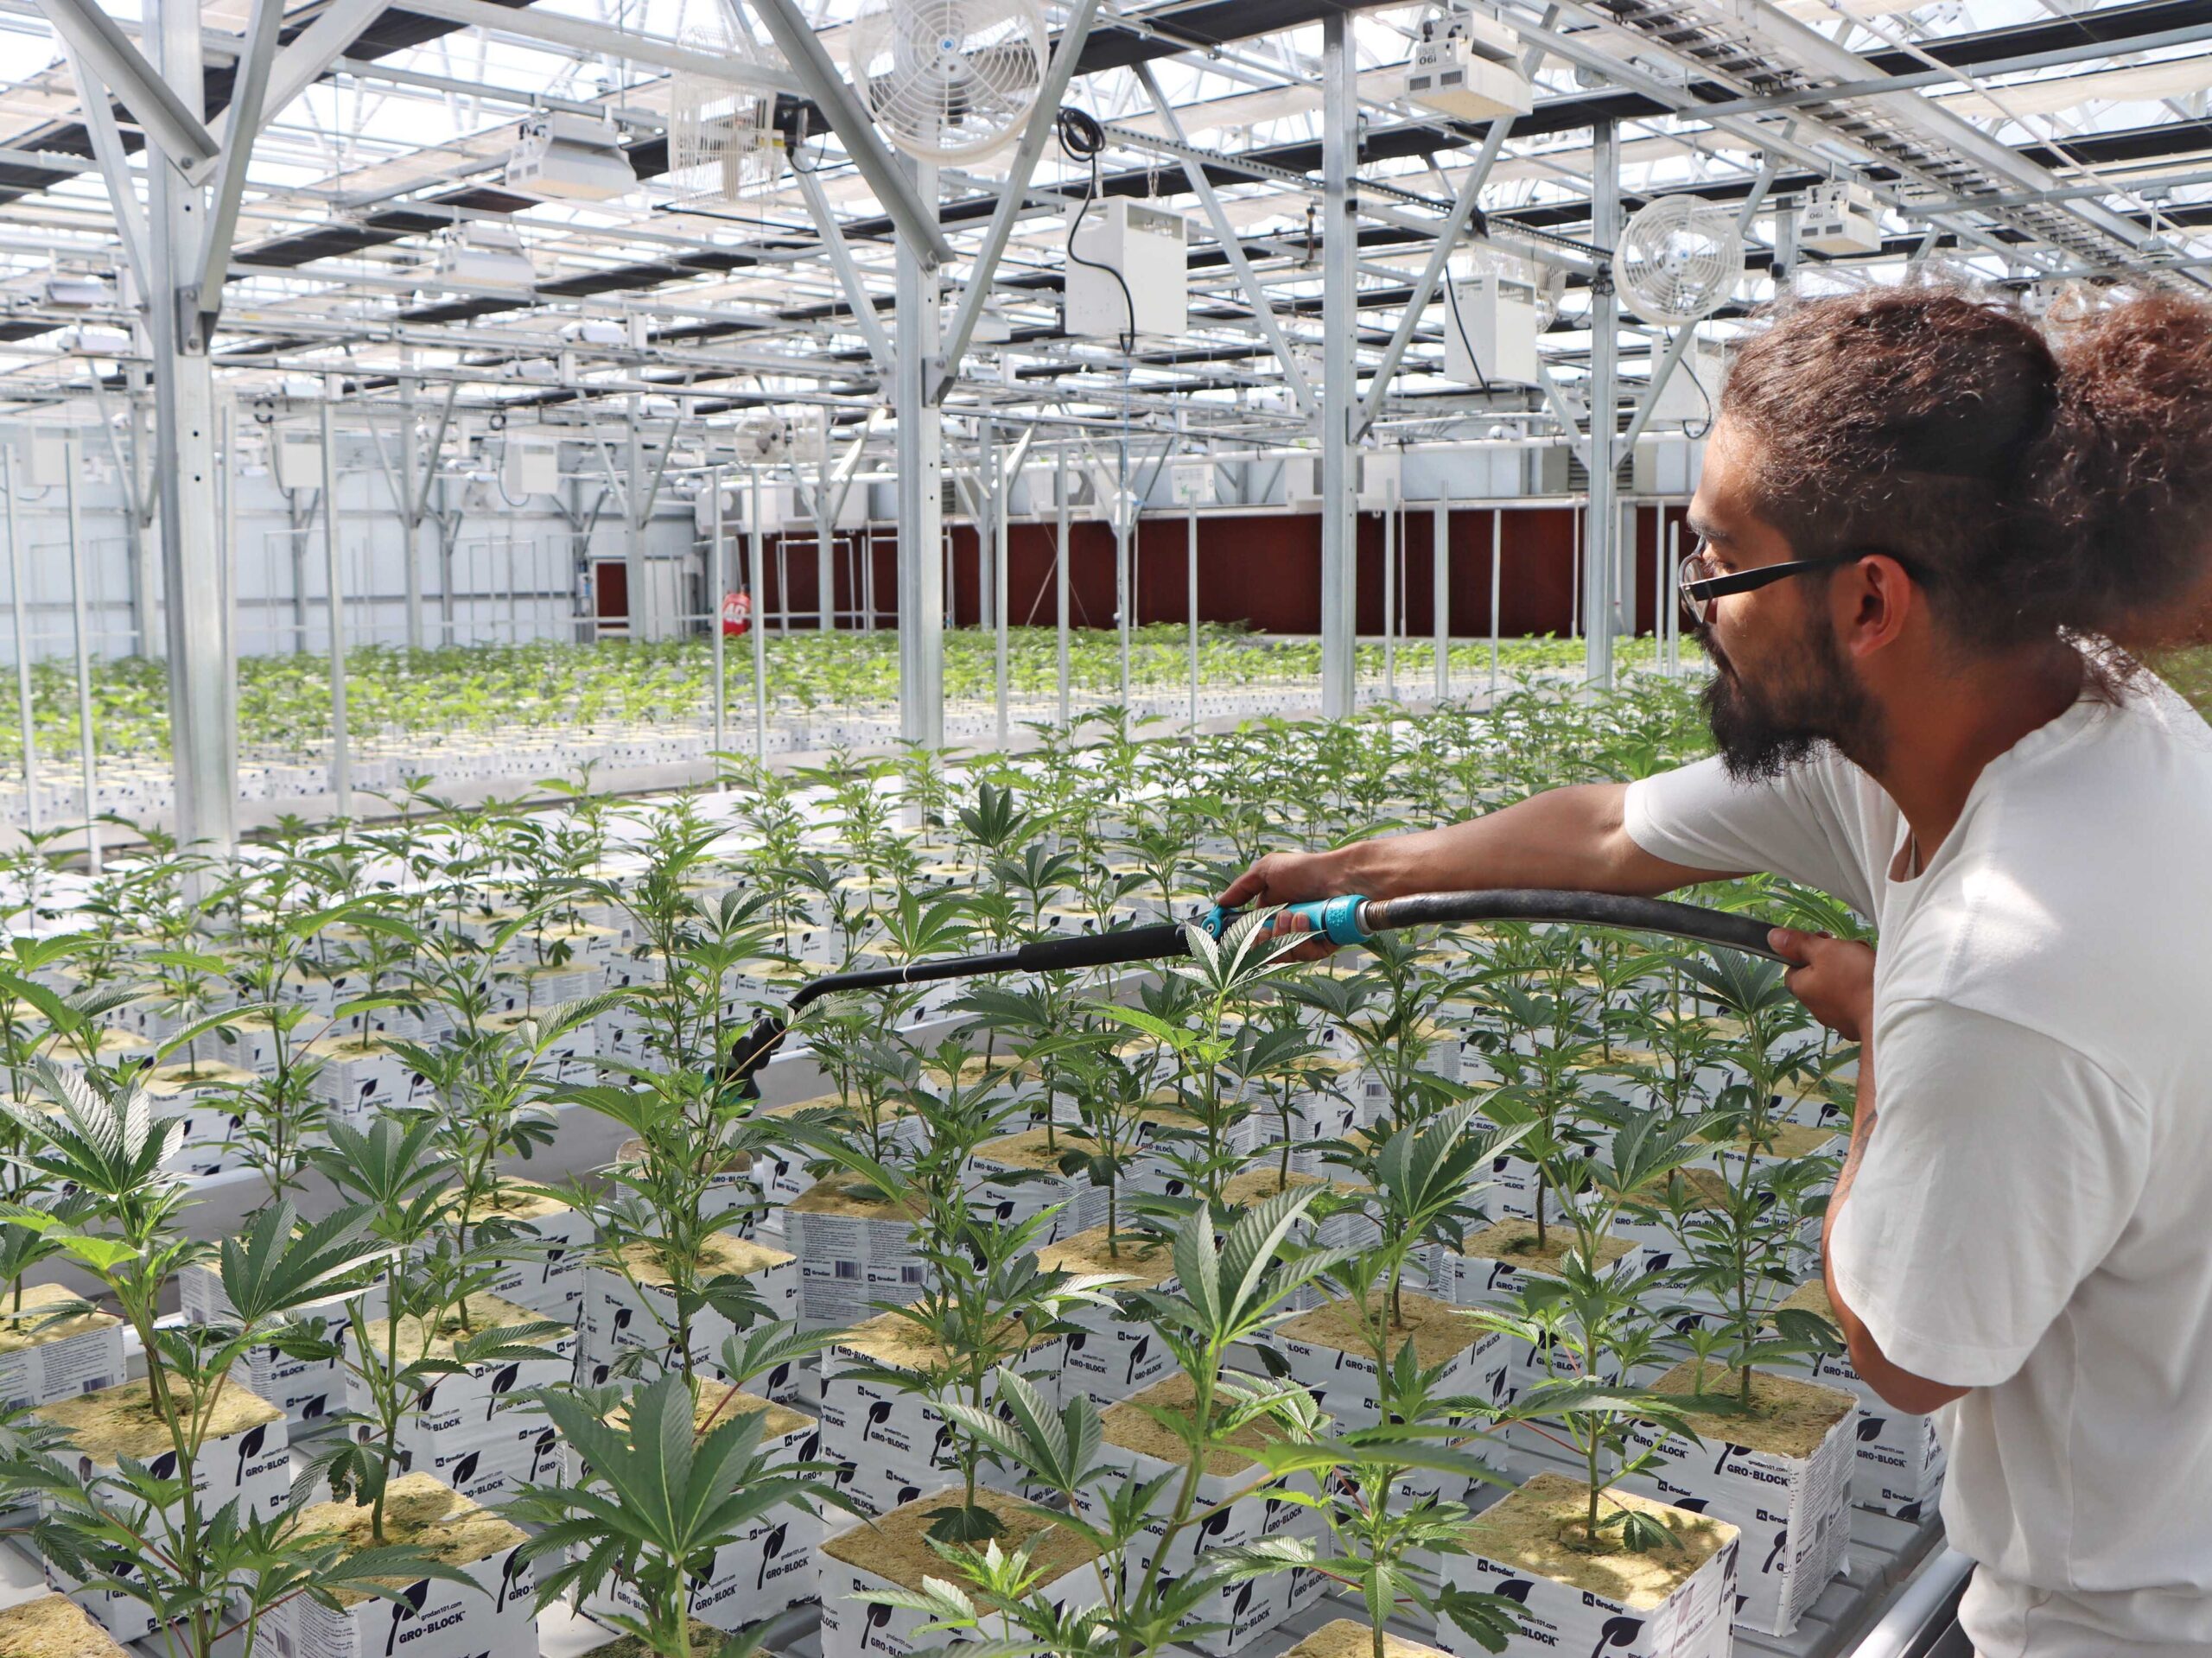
point(1128, 272)
point(568, 157)
point(1466, 65)
point(1490, 331)
point(1840, 218)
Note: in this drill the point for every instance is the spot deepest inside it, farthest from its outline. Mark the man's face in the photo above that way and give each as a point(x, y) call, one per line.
point(1781, 686)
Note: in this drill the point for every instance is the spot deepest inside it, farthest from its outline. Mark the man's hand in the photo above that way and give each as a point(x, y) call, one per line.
point(1289, 877)
point(1834, 977)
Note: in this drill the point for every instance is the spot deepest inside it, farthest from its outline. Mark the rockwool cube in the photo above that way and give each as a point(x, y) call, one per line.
point(855, 1248)
point(1136, 1444)
point(1668, 1603)
point(490, 1616)
point(1330, 1355)
point(41, 1361)
point(890, 1441)
point(892, 1553)
point(1789, 1493)
point(772, 1566)
point(306, 1390)
point(636, 1306)
point(245, 1456)
point(1108, 1356)
point(1901, 1458)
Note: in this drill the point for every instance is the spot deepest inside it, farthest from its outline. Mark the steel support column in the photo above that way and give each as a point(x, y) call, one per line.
point(1440, 588)
point(1339, 327)
point(1601, 542)
point(203, 694)
point(918, 326)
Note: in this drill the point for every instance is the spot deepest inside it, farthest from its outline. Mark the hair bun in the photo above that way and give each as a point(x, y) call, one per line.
point(2120, 488)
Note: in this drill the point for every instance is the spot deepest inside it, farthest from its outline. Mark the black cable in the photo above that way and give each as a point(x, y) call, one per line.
point(1711, 413)
point(1084, 140)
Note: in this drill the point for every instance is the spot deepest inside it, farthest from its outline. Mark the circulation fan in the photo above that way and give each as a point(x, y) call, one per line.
point(949, 80)
point(1679, 259)
point(762, 440)
point(723, 142)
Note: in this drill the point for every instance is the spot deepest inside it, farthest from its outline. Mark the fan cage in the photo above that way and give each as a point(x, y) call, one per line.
point(950, 79)
point(722, 141)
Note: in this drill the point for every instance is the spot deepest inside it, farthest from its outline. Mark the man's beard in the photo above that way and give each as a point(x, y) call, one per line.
point(1763, 730)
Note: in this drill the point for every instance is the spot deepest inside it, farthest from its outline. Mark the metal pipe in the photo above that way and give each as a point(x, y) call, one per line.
point(1389, 515)
point(759, 628)
point(1190, 577)
point(1340, 386)
point(341, 759)
point(1060, 587)
point(80, 630)
point(1497, 559)
point(1001, 643)
point(717, 585)
point(24, 708)
point(1440, 595)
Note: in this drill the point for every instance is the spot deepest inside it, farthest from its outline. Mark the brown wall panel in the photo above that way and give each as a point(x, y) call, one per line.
point(1264, 571)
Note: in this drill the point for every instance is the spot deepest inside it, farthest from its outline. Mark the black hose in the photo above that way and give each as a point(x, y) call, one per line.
point(1167, 939)
point(1084, 140)
point(1591, 909)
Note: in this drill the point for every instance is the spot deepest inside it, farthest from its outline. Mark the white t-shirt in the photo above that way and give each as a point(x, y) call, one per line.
point(2033, 1218)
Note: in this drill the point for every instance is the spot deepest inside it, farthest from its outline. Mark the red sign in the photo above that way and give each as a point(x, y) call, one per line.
point(737, 613)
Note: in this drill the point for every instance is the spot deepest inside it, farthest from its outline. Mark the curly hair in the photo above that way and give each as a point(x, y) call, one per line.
point(2041, 488)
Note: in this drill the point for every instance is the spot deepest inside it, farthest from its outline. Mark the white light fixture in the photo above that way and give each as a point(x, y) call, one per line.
point(77, 292)
point(594, 331)
point(568, 157)
point(1466, 65)
point(482, 255)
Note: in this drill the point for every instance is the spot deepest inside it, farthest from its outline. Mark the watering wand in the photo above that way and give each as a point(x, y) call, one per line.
point(1348, 920)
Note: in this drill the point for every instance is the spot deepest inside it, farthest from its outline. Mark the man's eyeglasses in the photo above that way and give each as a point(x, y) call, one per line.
point(1701, 579)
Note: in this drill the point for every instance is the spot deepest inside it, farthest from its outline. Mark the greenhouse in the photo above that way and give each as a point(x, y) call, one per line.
point(1024, 828)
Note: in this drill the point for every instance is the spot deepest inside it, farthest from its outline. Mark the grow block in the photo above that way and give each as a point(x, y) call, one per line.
point(1345, 1639)
point(736, 1190)
point(434, 1618)
point(635, 1308)
point(893, 1554)
point(855, 1248)
point(1330, 1356)
point(459, 1428)
point(551, 1284)
point(54, 1626)
point(1671, 1603)
point(771, 1568)
point(1082, 1205)
point(1901, 1458)
point(114, 1048)
point(41, 1362)
point(362, 1079)
point(1146, 1451)
point(207, 1099)
point(1493, 1270)
point(890, 1444)
point(306, 1390)
point(1109, 1357)
point(245, 1456)
point(1782, 1475)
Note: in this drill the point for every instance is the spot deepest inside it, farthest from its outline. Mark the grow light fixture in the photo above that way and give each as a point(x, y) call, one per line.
point(1465, 65)
point(77, 292)
point(1841, 217)
point(569, 157)
point(483, 256)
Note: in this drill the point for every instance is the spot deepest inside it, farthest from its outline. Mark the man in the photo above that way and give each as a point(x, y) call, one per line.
point(1912, 516)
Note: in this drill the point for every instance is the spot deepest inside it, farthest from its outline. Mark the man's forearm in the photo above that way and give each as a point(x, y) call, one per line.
point(1573, 838)
point(1899, 1387)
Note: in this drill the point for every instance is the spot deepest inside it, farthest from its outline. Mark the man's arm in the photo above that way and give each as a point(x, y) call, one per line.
point(1575, 838)
point(1834, 978)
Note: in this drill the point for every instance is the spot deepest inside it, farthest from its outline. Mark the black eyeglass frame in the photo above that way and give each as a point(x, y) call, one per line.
point(1696, 594)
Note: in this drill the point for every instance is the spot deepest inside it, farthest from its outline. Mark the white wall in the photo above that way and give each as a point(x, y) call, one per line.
point(531, 540)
